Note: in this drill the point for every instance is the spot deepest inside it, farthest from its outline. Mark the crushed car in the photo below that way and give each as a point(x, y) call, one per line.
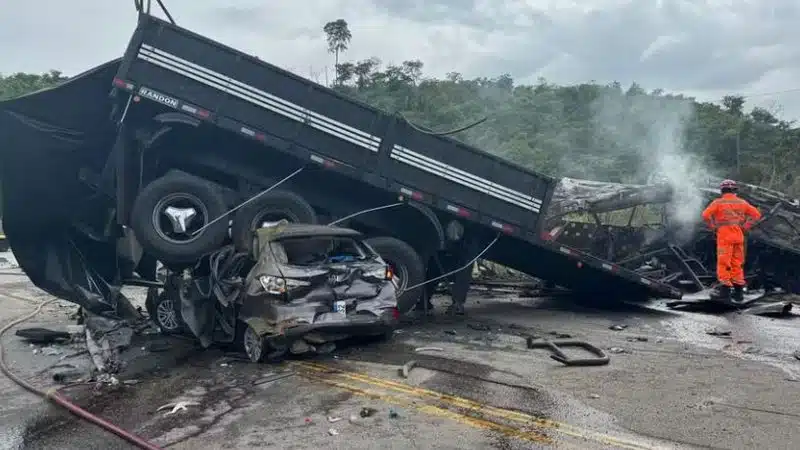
point(300, 288)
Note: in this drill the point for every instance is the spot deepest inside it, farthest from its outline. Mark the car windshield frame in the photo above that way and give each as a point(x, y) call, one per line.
point(278, 248)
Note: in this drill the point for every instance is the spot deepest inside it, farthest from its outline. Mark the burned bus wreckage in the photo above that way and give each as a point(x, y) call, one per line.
point(637, 227)
point(179, 152)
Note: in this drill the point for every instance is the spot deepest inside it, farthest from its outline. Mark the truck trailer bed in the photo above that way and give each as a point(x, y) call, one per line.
point(225, 88)
point(238, 92)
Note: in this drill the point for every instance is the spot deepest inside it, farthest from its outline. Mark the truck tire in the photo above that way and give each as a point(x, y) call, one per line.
point(170, 242)
point(407, 266)
point(270, 207)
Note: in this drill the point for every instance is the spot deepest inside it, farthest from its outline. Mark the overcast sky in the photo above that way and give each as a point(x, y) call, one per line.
point(704, 48)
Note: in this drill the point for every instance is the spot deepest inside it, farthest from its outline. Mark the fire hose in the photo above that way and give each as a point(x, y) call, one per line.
point(56, 397)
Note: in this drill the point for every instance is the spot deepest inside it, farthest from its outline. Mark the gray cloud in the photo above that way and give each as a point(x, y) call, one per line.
point(702, 47)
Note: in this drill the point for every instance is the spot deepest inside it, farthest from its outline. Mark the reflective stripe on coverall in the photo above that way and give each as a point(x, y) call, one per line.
point(730, 216)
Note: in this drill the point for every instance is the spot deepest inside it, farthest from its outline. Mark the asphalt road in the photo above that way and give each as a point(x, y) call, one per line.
point(669, 385)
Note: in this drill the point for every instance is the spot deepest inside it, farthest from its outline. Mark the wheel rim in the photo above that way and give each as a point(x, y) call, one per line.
point(253, 344)
point(177, 218)
point(167, 317)
point(265, 218)
point(400, 275)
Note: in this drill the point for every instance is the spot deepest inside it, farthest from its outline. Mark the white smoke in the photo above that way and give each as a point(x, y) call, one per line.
point(650, 132)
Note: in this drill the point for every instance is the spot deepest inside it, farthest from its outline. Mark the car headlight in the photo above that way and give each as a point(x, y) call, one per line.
point(381, 274)
point(279, 285)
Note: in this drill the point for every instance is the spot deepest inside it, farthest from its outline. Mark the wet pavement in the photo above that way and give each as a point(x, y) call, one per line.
point(669, 385)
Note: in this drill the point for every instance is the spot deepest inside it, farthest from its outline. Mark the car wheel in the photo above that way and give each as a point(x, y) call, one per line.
point(407, 266)
point(270, 207)
point(169, 214)
point(167, 315)
point(255, 346)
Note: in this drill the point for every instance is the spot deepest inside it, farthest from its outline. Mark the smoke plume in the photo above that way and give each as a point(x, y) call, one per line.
point(649, 134)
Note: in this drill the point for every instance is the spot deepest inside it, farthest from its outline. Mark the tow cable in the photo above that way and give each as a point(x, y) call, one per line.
point(55, 395)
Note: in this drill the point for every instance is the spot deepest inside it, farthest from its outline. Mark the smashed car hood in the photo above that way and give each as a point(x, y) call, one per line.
point(47, 138)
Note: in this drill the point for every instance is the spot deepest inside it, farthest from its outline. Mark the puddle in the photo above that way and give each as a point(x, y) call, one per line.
point(763, 339)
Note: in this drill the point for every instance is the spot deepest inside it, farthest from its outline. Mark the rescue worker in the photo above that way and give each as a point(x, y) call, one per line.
point(730, 217)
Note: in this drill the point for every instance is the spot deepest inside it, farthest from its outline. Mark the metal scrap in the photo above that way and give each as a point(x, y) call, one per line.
point(177, 406)
point(43, 335)
point(428, 349)
point(770, 309)
point(406, 368)
point(600, 357)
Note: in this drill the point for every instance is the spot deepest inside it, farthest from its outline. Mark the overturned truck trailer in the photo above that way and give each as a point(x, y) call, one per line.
point(655, 231)
point(169, 153)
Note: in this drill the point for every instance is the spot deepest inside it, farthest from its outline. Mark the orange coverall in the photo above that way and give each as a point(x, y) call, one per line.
point(730, 216)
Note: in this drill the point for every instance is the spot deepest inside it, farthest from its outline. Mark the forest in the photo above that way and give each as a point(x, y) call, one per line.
point(605, 132)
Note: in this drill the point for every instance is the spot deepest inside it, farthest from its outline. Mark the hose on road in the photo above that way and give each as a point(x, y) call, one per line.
point(55, 396)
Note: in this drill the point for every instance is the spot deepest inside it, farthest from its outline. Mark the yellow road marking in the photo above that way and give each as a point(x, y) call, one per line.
point(471, 405)
point(464, 419)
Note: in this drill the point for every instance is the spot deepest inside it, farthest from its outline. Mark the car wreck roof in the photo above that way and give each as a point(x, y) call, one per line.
point(307, 230)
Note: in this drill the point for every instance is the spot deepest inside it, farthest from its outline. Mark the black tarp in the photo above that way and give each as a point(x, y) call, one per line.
point(46, 138)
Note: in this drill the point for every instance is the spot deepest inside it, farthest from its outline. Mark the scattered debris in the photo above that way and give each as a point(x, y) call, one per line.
point(43, 335)
point(393, 414)
point(334, 419)
point(130, 382)
point(617, 350)
point(618, 327)
point(157, 346)
point(107, 379)
point(479, 327)
point(450, 332)
point(594, 396)
point(105, 338)
point(272, 377)
point(333, 432)
point(428, 349)
point(637, 339)
point(406, 368)
point(797, 354)
point(76, 330)
point(770, 309)
point(367, 412)
point(600, 358)
point(69, 376)
point(718, 333)
point(756, 306)
point(558, 335)
point(179, 406)
point(308, 421)
point(52, 351)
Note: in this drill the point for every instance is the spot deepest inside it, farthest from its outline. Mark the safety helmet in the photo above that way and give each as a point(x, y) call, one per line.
point(727, 184)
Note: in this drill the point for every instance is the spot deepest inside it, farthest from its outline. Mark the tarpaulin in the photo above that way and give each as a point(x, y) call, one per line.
point(46, 139)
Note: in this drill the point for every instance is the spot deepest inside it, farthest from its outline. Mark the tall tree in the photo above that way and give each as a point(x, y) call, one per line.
point(338, 36)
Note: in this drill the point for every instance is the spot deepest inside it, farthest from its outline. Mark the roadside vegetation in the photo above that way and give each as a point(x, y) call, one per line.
point(556, 129)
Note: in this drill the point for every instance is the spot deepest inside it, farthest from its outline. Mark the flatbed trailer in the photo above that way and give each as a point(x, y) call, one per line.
point(247, 96)
point(177, 95)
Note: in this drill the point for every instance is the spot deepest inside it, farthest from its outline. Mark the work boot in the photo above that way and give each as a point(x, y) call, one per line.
point(738, 293)
point(456, 309)
point(722, 293)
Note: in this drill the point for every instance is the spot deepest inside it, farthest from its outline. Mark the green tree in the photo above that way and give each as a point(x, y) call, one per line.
point(338, 36)
point(23, 83)
point(590, 130)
